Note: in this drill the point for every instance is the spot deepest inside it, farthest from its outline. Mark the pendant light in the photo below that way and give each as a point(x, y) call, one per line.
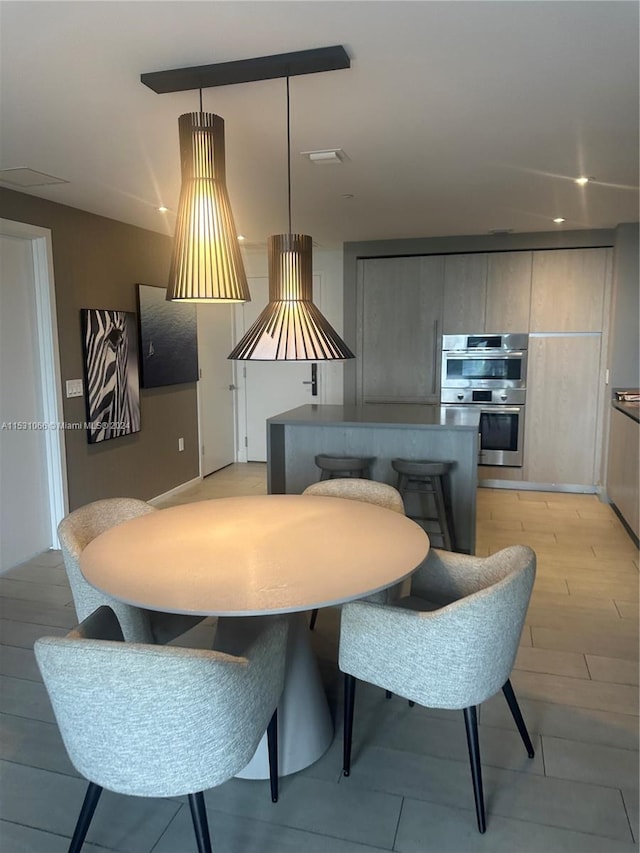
point(291, 328)
point(206, 264)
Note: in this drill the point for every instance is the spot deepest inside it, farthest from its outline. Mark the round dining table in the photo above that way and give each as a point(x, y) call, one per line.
point(258, 556)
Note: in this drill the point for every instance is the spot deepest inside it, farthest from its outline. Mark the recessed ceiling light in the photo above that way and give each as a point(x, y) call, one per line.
point(163, 209)
point(326, 156)
point(582, 180)
point(241, 237)
point(559, 219)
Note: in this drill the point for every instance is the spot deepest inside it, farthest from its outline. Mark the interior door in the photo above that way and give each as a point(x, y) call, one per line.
point(216, 392)
point(25, 513)
point(272, 387)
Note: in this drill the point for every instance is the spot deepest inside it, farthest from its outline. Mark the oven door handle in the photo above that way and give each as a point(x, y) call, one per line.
point(501, 410)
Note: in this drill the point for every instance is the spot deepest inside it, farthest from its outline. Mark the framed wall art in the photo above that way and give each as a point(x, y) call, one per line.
point(168, 339)
point(111, 373)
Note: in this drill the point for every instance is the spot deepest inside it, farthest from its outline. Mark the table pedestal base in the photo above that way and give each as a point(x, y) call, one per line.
point(305, 728)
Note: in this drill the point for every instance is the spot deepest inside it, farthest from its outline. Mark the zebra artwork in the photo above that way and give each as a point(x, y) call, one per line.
point(111, 373)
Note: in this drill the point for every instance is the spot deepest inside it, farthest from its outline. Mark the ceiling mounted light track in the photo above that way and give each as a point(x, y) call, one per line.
point(248, 70)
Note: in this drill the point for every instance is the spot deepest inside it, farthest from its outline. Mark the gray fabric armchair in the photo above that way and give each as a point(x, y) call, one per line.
point(369, 491)
point(80, 527)
point(451, 644)
point(161, 721)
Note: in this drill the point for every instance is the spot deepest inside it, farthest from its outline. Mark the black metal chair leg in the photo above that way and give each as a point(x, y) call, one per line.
point(200, 823)
point(84, 819)
point(272, 744)
point(314, 616)
point(349, 704)
point(510, 696)
point(471, 723)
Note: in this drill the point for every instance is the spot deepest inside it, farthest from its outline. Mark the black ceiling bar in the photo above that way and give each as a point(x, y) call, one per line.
point(248, 70)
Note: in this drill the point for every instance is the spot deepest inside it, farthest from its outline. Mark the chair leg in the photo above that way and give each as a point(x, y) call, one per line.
point(84, 819)
point(510, 696)
point(200, 823)
point(349, 704)
point(272, 744)
point(314, 616)
point(471, 723)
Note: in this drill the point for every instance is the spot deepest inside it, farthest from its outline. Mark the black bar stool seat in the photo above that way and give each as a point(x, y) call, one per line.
point(425, 480)
point(344, 466)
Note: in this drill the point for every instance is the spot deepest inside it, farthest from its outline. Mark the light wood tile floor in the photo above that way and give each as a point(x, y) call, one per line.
point(576, 678)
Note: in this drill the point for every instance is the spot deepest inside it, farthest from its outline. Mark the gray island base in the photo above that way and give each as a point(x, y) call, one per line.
point(385, 432)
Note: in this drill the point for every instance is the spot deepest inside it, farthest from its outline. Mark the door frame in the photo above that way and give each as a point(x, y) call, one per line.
point(49, 363)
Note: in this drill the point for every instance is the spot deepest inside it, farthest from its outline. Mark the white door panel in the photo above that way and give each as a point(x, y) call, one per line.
point(216, 396)
point(272, 387)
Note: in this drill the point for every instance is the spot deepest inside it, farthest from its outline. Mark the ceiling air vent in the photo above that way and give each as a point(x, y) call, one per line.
point(21, 176)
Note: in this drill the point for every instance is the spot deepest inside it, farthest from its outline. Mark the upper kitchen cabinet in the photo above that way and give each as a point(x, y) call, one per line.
point(465, 294)
point(567, 290)
point(487, 293)
point(399, 335)
point(508, 292)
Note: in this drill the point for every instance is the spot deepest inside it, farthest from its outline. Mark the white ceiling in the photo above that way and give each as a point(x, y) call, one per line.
point(457, 117)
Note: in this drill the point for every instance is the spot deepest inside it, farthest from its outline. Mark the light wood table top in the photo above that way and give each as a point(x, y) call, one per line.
point(256, 555)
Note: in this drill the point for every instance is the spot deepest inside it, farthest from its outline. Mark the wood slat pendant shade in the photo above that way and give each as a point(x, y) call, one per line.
point(291, 328)
point(206, 265)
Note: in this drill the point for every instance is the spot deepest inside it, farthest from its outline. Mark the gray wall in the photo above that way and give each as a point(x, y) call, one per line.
point(624, 343)
point(97, 263)
point(442, 246)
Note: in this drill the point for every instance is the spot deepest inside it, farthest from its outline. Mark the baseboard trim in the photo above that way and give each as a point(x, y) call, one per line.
point(526, 486)
point(174, 491)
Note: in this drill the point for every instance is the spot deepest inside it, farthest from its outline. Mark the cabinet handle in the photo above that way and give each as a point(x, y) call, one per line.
point(435, 357)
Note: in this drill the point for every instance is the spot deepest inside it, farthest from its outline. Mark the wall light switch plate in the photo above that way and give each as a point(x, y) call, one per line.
point(74, 388)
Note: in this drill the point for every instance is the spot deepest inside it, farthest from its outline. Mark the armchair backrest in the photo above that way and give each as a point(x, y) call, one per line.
point(75, 531)
point(369, 491)
point(456, 655)
point(160, 721)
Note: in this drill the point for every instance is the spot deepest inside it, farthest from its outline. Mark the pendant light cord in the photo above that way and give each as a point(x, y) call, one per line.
point(201, 100)
point(289, 152)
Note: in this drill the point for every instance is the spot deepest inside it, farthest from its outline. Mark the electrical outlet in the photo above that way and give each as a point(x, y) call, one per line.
point(180, 444)
point(74, 388)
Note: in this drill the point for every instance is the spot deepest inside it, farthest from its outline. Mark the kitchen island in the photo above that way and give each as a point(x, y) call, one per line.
point(385, 432)
point(622, 471)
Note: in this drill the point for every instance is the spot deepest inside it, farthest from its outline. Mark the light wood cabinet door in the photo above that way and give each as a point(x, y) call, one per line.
point(567, 290)
point(561, 411)
point(400, 340)
point(465, 288)
point(508, 292)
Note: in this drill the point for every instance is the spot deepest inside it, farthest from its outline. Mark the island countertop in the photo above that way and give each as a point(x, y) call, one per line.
point(382, 415)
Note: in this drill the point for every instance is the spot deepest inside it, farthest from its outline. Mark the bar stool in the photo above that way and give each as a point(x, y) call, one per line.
point(421, 484)
point(344, 466)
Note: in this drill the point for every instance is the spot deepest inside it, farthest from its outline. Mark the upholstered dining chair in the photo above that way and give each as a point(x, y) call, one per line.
point(369, 491)
point(161, 721)
point(451, 644)
point(80, 527)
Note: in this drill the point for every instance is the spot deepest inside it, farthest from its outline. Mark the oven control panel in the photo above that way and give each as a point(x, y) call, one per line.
point(490, 397)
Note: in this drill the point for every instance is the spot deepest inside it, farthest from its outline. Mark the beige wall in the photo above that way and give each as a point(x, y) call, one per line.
point(97, 263)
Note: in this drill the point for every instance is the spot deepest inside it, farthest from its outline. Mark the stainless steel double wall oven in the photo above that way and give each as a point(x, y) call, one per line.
point(489, 372)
